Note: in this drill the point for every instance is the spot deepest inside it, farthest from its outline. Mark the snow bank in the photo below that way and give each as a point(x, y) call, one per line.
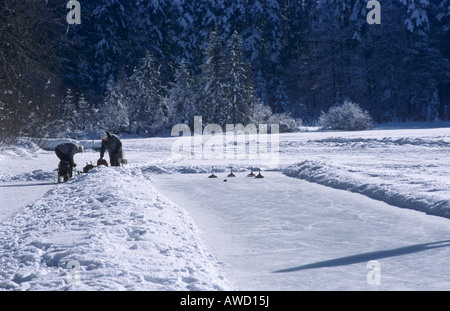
point(406, 194)
point(23, 149)
point(36, 175)
point(106, 230)
point(414, 141)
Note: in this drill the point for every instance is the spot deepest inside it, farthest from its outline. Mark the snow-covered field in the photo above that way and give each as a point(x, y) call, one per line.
point(341, 211)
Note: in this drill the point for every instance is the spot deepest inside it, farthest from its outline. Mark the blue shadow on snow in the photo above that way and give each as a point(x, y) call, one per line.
point(365, 257)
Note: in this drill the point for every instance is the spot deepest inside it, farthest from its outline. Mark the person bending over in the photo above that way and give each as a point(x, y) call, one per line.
point(113, 144)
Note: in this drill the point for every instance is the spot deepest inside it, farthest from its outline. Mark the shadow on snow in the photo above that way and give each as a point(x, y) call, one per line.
point(365, 257)
point(28, 184)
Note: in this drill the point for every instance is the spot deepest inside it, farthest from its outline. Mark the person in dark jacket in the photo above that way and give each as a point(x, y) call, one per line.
point(113, 144)
point(66, 152)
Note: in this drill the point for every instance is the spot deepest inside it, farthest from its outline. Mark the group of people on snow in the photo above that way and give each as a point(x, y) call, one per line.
point(112, 143)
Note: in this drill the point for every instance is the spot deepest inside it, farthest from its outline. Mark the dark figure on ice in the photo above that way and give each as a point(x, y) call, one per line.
point(65, 152)
point(113, 144)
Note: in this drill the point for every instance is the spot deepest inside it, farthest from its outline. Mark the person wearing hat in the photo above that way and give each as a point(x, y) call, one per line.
point(113, 144)
point(65, 152)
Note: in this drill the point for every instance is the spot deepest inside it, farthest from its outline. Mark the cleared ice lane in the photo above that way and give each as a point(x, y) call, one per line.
point(281, 233)
point(17, 195)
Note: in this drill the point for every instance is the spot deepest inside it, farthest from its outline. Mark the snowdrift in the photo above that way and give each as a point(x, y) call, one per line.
point(406, 195)
point(106, 230)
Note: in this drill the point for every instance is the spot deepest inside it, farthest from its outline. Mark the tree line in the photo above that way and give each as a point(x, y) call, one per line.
point(222, 93)
point(295, 57)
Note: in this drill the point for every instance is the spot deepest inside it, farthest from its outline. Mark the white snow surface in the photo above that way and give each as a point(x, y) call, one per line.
point(336, 202)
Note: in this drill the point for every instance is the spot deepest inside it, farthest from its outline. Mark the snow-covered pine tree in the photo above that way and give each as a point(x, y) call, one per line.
point(332, 60)
point(431, 112)
point(69, 112)
point(206, 13)
point(211, 83)
point(261, 87)
point(272, 36)
point(252, 42)
point(397, 70)
point(182, 97)
point(280, 102)
point(149, 111)
point(106, 25)
point(416, 13)
point(331, 40)
point(182, 30)
point(236, 89)
point(233, 15)
point(83, 113)
point(250, 92)
point(114, 113)
point(272, 30)
point(153, 32)
point(87, 116)
point(440, 32)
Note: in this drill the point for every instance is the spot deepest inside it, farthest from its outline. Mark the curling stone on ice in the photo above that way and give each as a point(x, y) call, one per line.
point(259, 174)
point(251, 173)
point(231, 174)
point(212, 175)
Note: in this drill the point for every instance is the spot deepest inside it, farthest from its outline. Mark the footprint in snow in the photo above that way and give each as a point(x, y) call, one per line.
point(136, 233)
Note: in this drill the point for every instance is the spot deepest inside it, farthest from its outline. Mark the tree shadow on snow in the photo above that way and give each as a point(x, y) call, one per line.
point(365, 257)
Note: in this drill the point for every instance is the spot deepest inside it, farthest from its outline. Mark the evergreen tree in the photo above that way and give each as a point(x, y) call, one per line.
point(236, 89)
point(149, 110)
point(27, 99)
point(153, 23)
point(252, 36)
point(183, 97)
point(69, 111)
point(181, 27)
point(211, 83)
point(84, 112)
point(416, 15)
point(114, 113)
point(440, 33)
point(398, 69)
point(281, 100)
point(272, 55)
point(107, 25)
